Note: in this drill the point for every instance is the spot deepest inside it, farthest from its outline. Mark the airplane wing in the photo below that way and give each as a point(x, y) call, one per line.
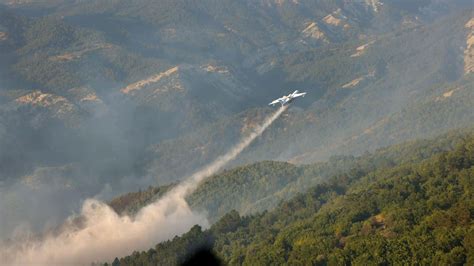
point(281, 100)
point(274, 102)
point(299, 94)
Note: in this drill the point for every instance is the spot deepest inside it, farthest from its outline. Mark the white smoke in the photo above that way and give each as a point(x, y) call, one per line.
point(103, 235)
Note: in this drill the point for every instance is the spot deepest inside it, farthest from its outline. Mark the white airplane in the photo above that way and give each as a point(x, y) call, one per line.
point(287, 99)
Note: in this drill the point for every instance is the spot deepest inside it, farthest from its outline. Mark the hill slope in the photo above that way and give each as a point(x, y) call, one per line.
point(409, 212)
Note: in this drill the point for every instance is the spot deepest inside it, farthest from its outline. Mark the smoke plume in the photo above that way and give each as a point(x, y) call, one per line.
point(100, 234)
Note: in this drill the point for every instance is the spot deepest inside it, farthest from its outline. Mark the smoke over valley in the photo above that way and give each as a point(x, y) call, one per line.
point(100, 234)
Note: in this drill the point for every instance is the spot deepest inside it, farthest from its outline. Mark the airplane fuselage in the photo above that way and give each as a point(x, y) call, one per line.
point(288, 98)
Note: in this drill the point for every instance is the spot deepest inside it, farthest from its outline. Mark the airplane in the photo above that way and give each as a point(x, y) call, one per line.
point(289, 98)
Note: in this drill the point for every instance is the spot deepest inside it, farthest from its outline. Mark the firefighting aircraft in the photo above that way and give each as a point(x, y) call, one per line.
point(288, 98)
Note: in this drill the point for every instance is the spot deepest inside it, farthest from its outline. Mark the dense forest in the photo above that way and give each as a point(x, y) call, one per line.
point(407, 204)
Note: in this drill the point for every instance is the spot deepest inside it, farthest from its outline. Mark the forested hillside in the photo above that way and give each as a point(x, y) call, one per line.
point(263, 185)
point(160, 76)
point(414, 205)
point(381, 97)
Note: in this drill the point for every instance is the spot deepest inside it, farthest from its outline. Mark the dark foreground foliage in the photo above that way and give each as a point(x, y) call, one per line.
point(409, 211)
